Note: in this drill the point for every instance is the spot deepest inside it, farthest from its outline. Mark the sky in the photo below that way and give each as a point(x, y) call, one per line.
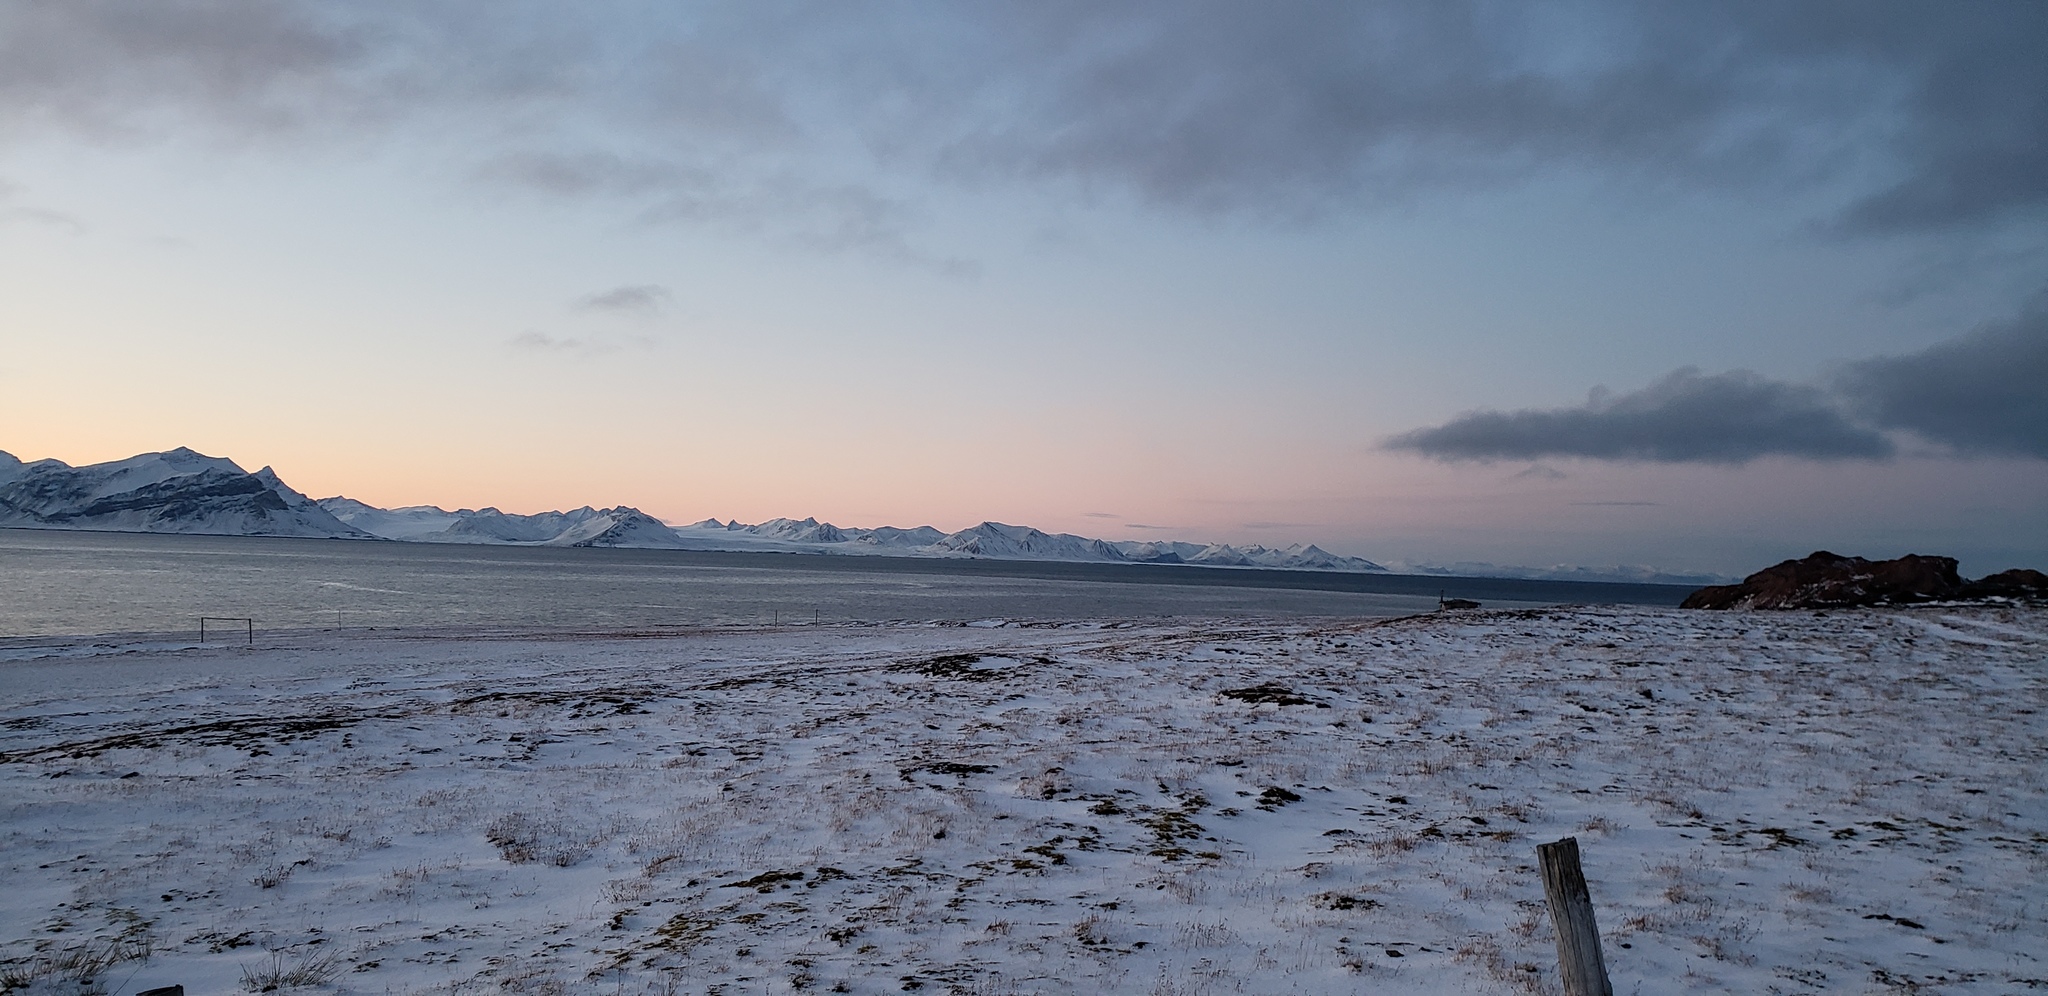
point(1694, 286)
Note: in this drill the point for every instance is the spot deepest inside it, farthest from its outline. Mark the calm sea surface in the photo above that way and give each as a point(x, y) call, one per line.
point(55, 583)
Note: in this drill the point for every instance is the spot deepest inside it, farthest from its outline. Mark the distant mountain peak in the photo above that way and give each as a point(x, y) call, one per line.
point(175, 491)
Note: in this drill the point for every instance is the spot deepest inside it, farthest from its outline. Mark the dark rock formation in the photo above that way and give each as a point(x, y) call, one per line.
point(2018, 583)
point(1826, 581)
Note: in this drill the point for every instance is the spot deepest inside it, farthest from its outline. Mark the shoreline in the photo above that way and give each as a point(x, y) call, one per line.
point(85, 585)
point(1187, 575)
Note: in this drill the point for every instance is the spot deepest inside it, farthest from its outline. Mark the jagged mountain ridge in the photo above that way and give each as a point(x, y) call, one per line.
point(606, 527)
point(175, 491)
point(408, 523)
point(1001, 541)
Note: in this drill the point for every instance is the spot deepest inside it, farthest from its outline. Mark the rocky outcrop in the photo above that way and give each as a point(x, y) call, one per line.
point(1827, 580)
point(2018, 583)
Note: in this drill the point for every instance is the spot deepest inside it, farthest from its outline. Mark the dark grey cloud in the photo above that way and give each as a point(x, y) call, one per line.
point(1973, 114)
point(1985, 392)
point(1686, 417)
point(1981, 393)
point(1908, 115)
point(642, 300)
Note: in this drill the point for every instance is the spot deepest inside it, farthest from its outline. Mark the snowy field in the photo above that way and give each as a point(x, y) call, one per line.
point(1767, 803)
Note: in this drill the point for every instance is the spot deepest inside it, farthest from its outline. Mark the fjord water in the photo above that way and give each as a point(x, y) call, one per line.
point(58, 583)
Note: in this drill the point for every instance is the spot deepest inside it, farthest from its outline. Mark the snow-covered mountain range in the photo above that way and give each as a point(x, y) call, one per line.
point(586, 526)
point(627, 527)
point(998, 541)
point(180, 491)
point(176, 491)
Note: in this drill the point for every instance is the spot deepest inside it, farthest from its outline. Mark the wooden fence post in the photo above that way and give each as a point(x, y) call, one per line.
point(1571, 909)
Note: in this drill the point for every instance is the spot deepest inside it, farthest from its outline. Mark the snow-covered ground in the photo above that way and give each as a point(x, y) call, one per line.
point(1767, 803)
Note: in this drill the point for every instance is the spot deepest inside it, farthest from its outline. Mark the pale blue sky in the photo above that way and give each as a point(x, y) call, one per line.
point(1173, 265)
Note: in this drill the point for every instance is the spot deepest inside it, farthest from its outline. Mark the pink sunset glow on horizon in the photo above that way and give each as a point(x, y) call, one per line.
point(1276, 278)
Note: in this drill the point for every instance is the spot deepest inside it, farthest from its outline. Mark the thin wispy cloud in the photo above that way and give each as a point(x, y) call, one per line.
point(17, 215)
point(769, 202)
point(14, 212)
point(637, 300)
point(535, 341)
